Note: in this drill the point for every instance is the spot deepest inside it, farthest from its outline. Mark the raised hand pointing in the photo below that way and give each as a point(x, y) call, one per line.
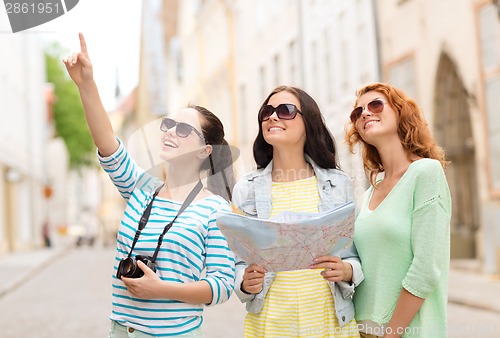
point(78, 64)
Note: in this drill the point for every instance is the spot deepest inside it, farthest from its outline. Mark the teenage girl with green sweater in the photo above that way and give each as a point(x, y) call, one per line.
point(402, 230)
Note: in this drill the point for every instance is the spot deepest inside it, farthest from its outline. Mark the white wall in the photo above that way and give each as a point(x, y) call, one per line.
point(23, 130)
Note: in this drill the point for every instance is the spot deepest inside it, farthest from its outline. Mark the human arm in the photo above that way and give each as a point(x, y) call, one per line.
point(214, 288)
point(249, 279)
point(219, 263)
point(407, 307)
point(80, 70)
point(240, 268)
point(150, 286)
point(430, 243)
point(125, 173)
point(345, 270)
point(253, 278)
point(430, 240)
point(336, 270)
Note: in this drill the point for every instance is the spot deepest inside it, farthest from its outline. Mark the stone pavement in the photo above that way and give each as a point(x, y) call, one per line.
point(471, 288)
point(16, 268)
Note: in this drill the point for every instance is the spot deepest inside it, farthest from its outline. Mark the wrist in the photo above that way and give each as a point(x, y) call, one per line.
point(243, 290)
point(169, 290)
point(346, 272)
point(87, 85)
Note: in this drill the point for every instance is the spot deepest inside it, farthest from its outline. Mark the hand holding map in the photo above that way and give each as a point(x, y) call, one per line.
point(290, 241)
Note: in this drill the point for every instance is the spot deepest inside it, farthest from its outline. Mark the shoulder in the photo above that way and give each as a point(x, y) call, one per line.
point(244, 189)
point(430, 182)
point(427, 168)
point(336, 177)
point(250, 176)
point(339, 174)
point(215, 202)
point(211, 205)
point(246, 180)
point(427, 163)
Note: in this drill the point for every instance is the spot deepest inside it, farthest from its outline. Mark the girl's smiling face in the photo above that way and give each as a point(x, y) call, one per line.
point(278, 132)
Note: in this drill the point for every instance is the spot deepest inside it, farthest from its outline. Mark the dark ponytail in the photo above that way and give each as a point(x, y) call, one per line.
point(219, 164)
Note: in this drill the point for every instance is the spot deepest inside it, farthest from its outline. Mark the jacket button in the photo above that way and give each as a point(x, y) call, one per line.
point(343, 318)
point(131, 329)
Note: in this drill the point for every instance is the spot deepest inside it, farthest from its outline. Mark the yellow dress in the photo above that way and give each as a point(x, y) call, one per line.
point(298, 303)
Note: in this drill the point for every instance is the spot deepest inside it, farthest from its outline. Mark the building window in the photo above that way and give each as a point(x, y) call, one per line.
point(328, 65)
point(244, 137)
point(489, 32)
point(401, 74)
point(260, 14)
point(277, 68)
point(293, 57)
point(490, 49)
point(315, 69)
point(262, 81)
point(344, 70)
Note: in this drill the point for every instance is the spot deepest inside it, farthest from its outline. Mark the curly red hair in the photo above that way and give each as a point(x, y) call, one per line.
point(413, 131)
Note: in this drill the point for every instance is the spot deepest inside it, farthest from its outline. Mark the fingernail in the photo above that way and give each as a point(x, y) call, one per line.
point(315, 260)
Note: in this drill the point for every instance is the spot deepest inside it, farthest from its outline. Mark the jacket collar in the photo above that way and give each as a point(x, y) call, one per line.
point(321, 173)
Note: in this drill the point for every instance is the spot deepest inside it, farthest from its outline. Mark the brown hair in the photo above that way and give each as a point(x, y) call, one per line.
point(220, 160)
point(413, 131)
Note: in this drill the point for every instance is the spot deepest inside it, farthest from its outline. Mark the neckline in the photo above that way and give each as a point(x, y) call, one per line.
point(296, 181)
point(196, 201)
point(390, 192)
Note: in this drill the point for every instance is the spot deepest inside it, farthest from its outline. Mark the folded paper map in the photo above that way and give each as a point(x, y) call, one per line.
point(291, 240)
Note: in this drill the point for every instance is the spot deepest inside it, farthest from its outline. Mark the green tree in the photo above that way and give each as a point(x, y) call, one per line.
point(69, 117)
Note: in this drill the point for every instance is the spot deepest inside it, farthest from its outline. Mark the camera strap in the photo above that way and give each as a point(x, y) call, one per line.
point(147, 212)
point(143, 220)
point(183, 207)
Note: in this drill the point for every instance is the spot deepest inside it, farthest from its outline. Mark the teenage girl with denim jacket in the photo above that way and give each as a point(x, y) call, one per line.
point(297, 171)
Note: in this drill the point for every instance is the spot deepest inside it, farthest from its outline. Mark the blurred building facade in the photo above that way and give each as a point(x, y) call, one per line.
point(135, 119)
point(22, 150)
point(42, 201)
point(446, 54)
point(228, 55)
point(57, 170)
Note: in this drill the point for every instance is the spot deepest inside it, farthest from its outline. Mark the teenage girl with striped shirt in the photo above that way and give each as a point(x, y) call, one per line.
point(170, 301)
point(297, 171)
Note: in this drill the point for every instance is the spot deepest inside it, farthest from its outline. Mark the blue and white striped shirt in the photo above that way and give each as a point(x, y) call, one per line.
point(192, 245)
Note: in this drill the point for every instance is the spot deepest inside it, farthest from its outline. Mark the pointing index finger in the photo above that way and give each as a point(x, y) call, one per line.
point(83, 44)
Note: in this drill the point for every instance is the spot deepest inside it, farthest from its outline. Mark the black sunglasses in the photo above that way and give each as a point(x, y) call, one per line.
point(375, 107)
point(285, 111)
point(181, 129)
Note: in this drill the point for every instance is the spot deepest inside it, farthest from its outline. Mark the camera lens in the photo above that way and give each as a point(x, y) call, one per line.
point(128, 267)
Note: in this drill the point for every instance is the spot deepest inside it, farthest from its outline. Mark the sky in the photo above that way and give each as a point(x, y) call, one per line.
point(112, 31)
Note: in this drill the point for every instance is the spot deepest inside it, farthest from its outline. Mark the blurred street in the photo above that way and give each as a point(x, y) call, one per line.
point(68, 295)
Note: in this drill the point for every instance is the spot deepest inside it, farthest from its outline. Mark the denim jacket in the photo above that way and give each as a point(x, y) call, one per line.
point(252, 194)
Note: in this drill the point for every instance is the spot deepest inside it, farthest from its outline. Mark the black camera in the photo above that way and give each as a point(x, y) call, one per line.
point(128, 266)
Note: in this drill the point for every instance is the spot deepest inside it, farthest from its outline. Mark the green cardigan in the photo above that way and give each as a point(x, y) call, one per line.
point(405, 243)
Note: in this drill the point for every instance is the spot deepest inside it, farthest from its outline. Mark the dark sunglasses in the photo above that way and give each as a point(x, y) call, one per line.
point(375, 107)
point(285, 111)
point(181, 129)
